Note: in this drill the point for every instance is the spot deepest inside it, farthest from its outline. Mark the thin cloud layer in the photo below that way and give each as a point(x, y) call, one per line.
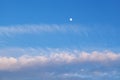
point(59, 57)
point(26, 29)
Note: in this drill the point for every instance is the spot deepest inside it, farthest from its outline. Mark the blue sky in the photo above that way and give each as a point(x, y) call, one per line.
point(57, 12)
point(38, 41)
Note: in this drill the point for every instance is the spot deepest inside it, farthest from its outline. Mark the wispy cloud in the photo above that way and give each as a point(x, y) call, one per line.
point(26, 29)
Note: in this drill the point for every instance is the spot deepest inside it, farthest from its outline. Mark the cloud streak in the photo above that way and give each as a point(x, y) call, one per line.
point(27, 29)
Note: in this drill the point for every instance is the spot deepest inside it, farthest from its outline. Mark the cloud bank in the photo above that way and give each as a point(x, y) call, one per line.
point(49, 58)
point(58, 64)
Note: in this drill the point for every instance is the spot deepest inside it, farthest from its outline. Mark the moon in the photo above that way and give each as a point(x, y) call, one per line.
point(70, 19)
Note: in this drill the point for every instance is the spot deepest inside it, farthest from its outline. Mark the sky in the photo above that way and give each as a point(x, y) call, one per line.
point(38, 41)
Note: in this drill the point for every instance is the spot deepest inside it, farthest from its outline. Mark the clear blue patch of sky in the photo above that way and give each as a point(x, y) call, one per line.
point(57, 12)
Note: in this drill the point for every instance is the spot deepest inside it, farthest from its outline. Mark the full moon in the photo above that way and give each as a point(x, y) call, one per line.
point(70, 19)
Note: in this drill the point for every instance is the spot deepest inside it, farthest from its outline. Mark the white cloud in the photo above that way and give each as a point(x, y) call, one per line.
point(76, 75)
point(26, 29)
point(54, 57)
